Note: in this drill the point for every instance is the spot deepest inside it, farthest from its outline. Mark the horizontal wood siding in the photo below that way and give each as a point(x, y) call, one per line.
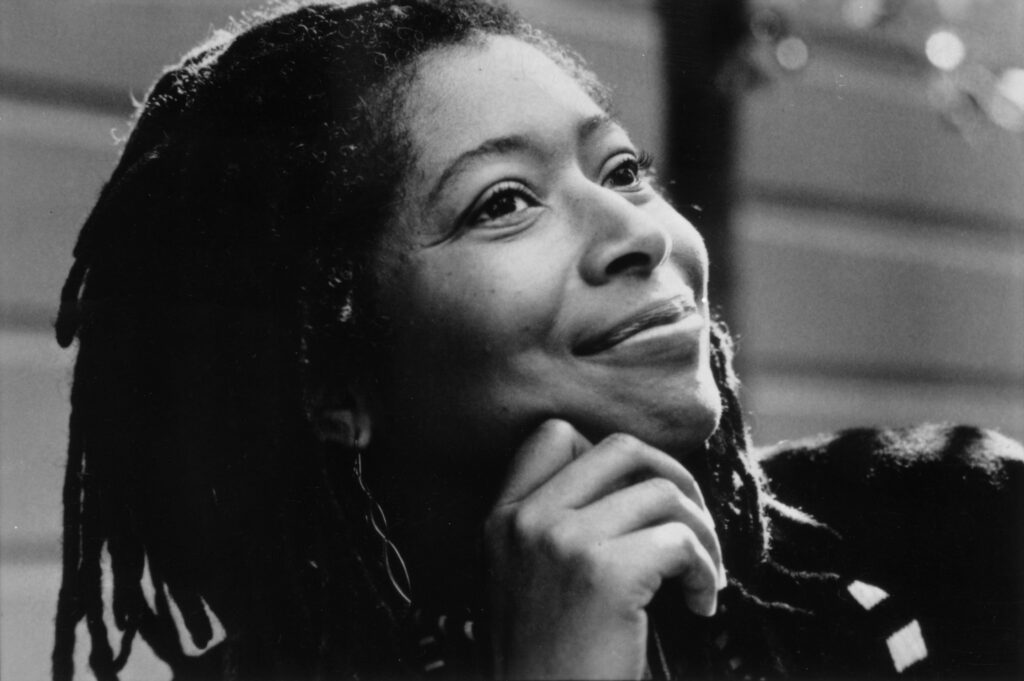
point(880, 251)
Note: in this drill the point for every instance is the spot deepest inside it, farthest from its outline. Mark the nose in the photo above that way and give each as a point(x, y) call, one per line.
point(624, 240)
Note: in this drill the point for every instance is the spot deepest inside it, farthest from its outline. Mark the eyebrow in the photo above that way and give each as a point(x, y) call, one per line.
point(586, 129)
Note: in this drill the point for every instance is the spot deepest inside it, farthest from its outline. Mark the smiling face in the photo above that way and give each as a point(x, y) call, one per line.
point(532, 270)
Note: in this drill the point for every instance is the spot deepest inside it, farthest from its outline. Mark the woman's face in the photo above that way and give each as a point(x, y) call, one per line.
point(532, 271)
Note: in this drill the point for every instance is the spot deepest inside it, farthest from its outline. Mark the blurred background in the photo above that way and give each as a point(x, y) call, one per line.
point(856, 166)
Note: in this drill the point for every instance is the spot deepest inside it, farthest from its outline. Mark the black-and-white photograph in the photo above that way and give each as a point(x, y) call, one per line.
point(524, 339)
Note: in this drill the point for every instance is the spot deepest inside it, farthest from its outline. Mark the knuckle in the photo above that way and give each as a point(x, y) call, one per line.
point(622, 441)
point(686, 480)
point(557, 429)
point(644, 456)
point(664, 490)
point(683, 534)
point(678, 536)
point(525, 525)
point(594, 566)
point(559, 541)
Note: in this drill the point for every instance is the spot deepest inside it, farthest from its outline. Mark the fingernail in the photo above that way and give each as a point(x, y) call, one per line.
point(703, 604)
point(711, 605)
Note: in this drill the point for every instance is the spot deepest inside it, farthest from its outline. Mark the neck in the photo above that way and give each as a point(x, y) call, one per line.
point(435, 519)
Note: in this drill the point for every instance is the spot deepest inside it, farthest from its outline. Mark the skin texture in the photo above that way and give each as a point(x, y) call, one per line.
point(486, 315)
point(527, 230)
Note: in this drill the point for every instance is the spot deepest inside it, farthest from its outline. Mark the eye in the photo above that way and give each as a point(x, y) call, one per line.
point(503, 203)
point(629, 171)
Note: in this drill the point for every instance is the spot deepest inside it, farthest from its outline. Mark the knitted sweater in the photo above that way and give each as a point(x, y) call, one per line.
point(922, 528)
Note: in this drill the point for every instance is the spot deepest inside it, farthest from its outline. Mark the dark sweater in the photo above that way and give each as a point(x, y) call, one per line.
point(932, 517)
point(893, 554)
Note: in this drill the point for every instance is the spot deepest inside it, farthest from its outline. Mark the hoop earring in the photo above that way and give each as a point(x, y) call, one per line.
point(394, 564)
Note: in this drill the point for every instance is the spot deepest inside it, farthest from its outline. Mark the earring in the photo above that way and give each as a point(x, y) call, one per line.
point(394, 564)
point(349, 426)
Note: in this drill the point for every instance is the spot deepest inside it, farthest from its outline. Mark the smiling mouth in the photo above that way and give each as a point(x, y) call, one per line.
point(662, 314)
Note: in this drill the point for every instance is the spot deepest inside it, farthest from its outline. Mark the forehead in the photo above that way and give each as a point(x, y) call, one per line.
point(465, 95)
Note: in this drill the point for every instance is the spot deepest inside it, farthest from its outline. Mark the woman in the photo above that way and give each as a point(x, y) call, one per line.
point(369, 257)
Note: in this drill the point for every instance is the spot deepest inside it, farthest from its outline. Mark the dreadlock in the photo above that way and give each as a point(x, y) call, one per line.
point(736, 485)
point(219, 265)
point(217, 280)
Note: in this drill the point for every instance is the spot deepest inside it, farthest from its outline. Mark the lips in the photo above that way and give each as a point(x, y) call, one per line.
point(660, 314)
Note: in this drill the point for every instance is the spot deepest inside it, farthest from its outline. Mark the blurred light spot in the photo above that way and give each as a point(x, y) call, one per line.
point(1004, 114)
point(1007, 105)
point(791, 53)
point(945, 50)
point(863, 13)
point(1011, 86)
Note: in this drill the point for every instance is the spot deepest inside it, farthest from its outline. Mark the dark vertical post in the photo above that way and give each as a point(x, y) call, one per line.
point(701, 38)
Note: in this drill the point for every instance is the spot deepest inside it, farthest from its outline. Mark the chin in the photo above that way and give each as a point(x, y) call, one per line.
point(698, 424)
point(676, 424)
point(683, 425)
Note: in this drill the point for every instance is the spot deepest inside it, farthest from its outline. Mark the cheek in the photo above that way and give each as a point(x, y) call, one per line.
point(481, 305)
point(468, 336)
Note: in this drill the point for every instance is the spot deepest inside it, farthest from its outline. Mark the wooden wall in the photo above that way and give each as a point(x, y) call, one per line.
point(68, 72)
point(880, 251)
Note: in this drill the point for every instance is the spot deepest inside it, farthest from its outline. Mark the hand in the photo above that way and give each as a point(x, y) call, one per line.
point(579, 542)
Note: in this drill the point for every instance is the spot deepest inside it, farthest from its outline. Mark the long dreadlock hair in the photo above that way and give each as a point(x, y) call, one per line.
point(218, 279)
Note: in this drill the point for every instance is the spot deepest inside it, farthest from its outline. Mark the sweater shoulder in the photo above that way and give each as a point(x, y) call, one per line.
point(973, 455)
point(932, 514)
point(903, 473)
point(917, 509)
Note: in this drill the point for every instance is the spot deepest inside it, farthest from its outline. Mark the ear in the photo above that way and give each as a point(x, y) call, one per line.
point(342, 417)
